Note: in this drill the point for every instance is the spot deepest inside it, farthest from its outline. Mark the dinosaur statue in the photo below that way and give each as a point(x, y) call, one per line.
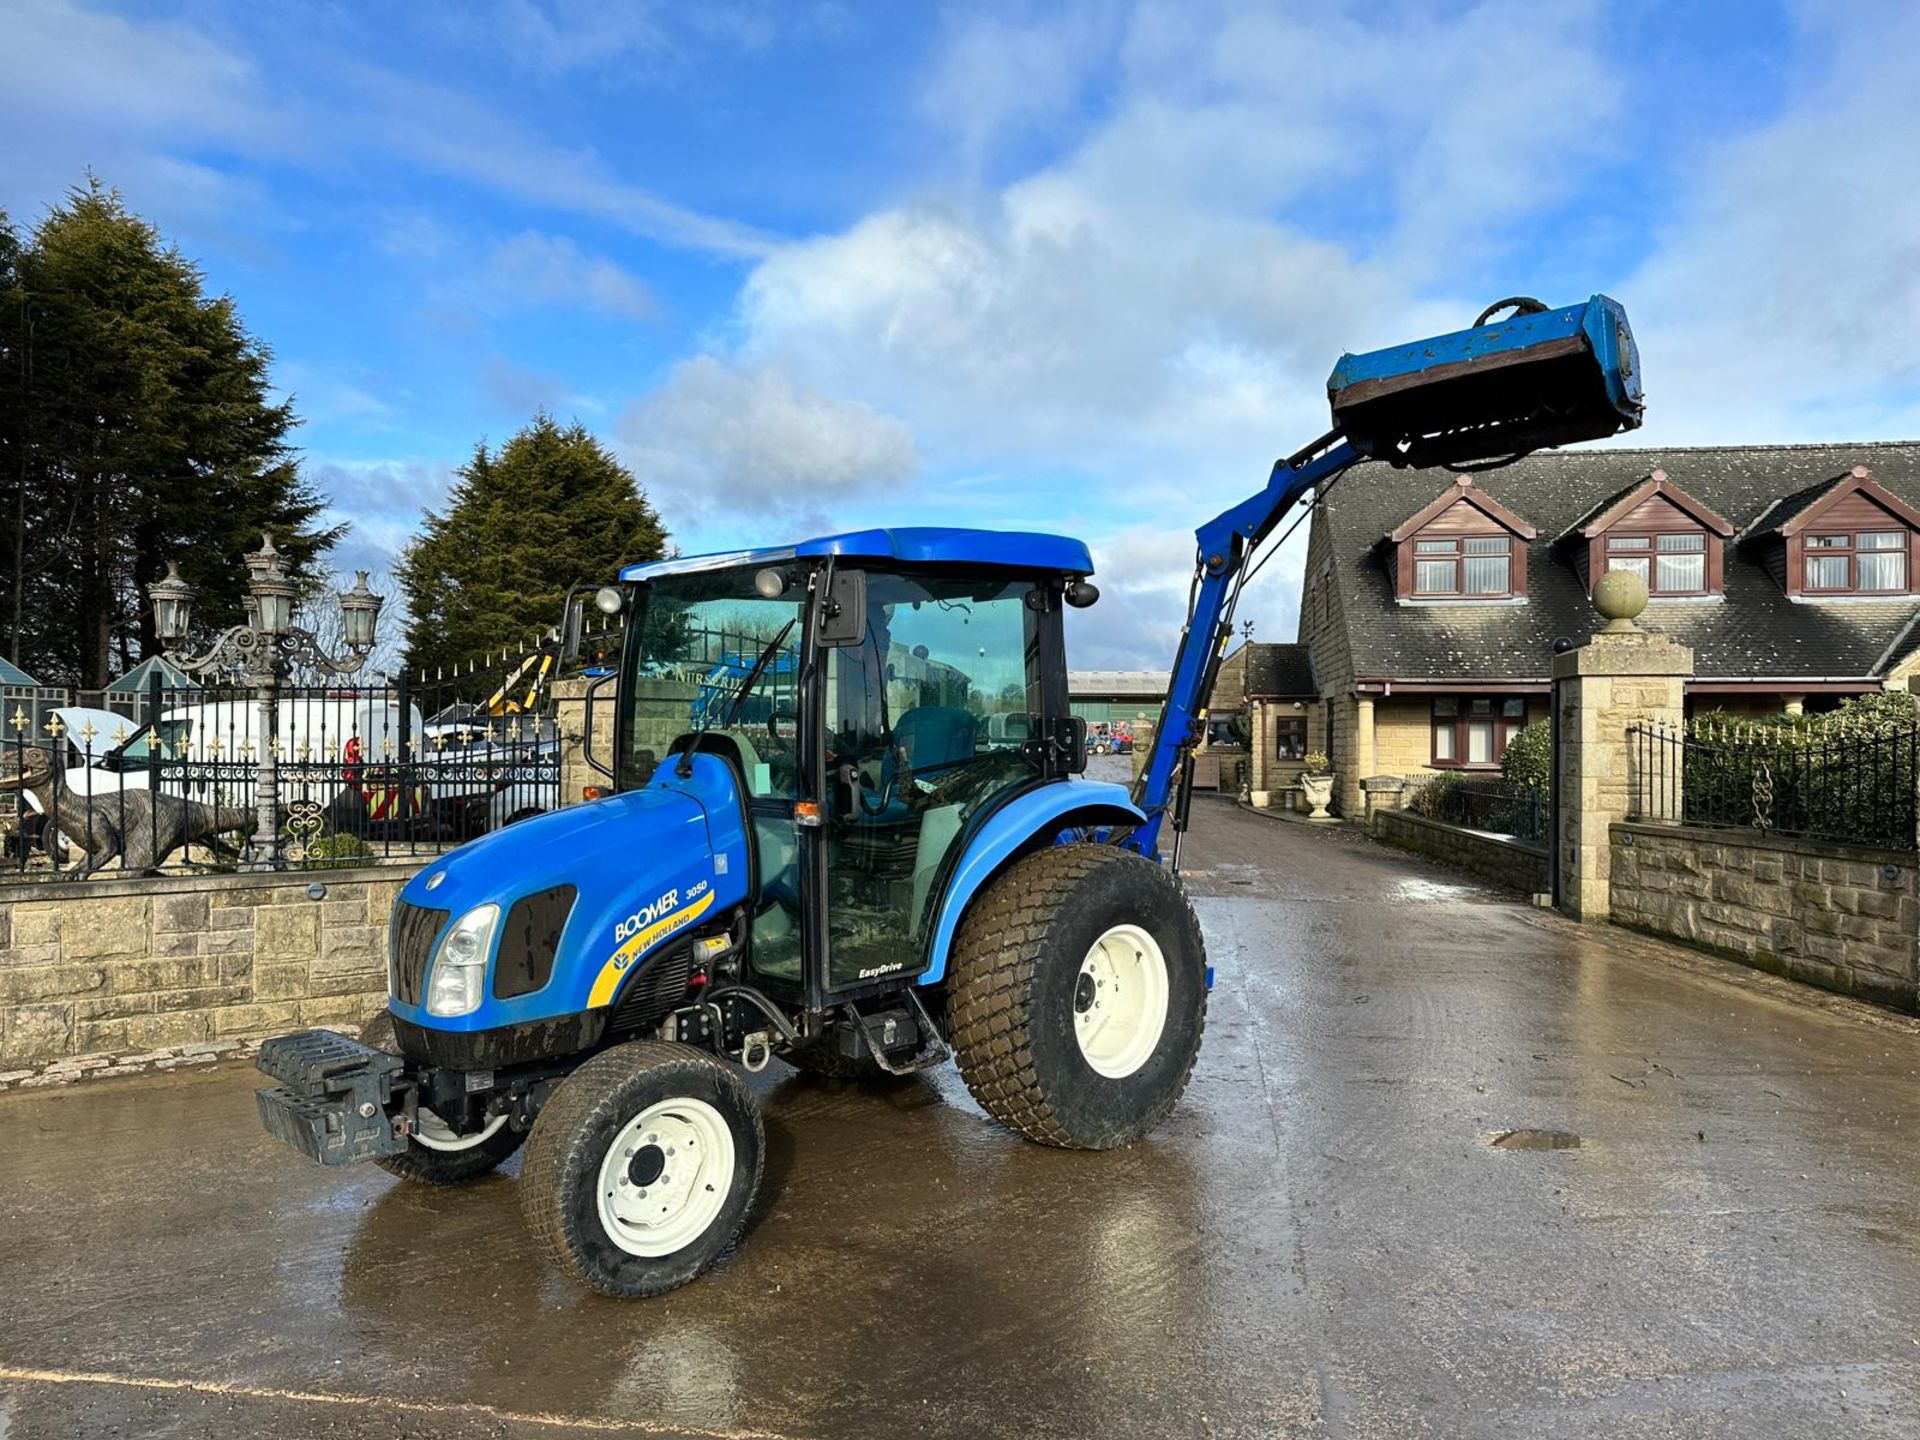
point(139, 827)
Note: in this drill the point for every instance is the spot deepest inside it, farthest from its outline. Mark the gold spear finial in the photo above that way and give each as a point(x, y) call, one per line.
point(55, 728)
point(19, 718)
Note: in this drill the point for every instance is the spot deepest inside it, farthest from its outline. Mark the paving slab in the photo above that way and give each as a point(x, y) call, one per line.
point(1321, 1242)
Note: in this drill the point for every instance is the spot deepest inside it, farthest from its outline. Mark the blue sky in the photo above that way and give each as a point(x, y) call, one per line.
point(1075, 266)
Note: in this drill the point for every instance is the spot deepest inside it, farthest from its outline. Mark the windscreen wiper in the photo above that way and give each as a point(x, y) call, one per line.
point(685, 768)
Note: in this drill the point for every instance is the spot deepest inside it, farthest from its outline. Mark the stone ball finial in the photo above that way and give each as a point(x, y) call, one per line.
point(1620, 596)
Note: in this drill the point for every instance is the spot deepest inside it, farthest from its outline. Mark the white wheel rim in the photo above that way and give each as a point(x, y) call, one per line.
point(434, 1133)
point(665, 1178)
point(1120, 1001)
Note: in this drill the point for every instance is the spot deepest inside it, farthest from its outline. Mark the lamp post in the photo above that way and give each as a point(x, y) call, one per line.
point(263, 651)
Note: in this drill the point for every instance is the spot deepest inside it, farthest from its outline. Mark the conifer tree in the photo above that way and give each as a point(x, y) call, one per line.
point(139, 428)
point(550, 507)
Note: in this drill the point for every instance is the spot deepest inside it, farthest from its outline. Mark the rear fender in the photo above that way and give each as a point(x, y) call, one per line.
point(1039, 817)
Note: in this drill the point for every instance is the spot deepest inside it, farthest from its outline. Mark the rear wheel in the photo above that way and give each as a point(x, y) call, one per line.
point(1079, 996)
point(642, 1167)
point(435, 1154)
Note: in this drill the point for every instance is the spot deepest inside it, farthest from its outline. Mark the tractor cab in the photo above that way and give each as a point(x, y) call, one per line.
point(871, 698)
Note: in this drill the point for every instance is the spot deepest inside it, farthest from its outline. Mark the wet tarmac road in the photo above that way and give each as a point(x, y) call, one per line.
point(1321, 1242)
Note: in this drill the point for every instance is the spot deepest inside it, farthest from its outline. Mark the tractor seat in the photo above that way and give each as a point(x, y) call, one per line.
point(934, 738)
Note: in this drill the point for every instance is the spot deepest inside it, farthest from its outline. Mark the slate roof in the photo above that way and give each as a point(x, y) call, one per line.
point(1280, 670)
point(1755, 631)
point(12, 674)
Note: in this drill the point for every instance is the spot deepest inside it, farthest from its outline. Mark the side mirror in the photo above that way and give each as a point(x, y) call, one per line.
point(843, 609)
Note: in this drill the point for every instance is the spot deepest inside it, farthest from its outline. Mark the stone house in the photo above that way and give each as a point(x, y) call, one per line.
point(1433, 602)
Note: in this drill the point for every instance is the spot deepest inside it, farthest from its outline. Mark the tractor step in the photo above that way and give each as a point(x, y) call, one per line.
point(878, 1033)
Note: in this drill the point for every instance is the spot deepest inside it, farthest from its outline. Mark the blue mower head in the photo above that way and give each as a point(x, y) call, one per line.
point(1493, 391)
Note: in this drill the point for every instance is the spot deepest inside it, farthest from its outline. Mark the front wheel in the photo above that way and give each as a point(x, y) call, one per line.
point(642, 1167)
point(1079, 996)
point(435, 1154)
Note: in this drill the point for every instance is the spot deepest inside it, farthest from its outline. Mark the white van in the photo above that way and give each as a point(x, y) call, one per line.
point(322, 739)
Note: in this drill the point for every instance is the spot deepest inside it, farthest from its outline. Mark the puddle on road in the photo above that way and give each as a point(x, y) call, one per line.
point(1534, 1140)
point(1431, 890)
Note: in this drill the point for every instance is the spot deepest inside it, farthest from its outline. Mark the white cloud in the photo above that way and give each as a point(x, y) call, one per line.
point(1783, 302)
point(1149, 315)
point(552, 269)
point(715, 438)
point(133, 98)
point(1001, 77)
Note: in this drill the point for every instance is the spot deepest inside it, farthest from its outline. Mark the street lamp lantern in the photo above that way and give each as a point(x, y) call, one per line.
point(263, 652)
point(172, 606)
point(271, 589)
point(359, 613)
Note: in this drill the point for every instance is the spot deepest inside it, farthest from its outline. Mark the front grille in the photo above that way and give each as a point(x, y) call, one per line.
point(415, 928)
point(660, 986)
point(528, 943)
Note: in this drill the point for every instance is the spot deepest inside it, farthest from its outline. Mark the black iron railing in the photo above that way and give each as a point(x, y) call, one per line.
point(1853, 784)
point(1519, 811)
point(360, 774)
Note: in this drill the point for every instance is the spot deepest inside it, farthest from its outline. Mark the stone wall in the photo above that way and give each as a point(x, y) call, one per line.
point(1512, 863)
point(1844, 918)
point(114, 976)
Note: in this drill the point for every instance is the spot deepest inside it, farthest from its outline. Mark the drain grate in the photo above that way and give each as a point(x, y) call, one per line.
point(1535, 1140)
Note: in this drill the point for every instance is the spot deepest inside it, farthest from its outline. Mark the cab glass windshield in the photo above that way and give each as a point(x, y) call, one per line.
point(714, 653)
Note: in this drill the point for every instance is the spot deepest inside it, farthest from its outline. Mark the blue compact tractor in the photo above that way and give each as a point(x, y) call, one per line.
point(848, 830)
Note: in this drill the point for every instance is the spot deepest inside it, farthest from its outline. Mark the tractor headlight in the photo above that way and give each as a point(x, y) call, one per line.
point(459, 978)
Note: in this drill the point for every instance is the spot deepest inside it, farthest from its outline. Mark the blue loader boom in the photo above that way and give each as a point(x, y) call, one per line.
point(1486, 394)
point(849, 830)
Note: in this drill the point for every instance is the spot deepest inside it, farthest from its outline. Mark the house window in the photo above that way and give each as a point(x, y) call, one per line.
point(1863, 562)
point(1474, 566)
point(1290, 737)
point(1672, 564)
point(1474, 729)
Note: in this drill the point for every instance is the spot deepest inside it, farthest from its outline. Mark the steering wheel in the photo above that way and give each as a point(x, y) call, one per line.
point(782, 716)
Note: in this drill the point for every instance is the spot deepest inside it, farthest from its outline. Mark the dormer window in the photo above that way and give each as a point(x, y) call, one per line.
point(1671, 564)
point(1657, 531)
point(1863, 562)
point(1848, 537)
point(1477, 567)
point(1464, 546)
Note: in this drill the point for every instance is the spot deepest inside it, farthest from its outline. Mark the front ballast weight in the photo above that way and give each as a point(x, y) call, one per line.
point(1496, 390)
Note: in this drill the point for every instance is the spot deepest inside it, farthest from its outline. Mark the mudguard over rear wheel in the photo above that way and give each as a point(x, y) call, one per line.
point(642, 1167)
point(1079, 996)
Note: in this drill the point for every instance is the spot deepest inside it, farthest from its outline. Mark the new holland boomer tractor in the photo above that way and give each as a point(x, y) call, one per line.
point(872, 852)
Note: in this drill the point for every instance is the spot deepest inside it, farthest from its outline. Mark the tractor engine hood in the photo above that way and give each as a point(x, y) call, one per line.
point(642, 866)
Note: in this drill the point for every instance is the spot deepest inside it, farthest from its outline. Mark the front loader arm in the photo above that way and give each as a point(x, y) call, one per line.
point(1224, 544)
point(1474, 398)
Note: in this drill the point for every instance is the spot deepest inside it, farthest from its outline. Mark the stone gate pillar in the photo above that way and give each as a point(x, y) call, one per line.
point(570, 719)
point(1621, 676)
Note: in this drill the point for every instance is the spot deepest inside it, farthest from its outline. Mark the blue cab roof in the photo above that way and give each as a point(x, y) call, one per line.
point(921, 545)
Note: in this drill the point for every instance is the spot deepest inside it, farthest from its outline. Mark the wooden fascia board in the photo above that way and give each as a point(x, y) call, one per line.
point(1858, 483)
point(1656, 484)
point(1479, 499)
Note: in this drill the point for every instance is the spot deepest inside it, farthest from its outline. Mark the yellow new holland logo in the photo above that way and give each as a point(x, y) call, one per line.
point(638, 943)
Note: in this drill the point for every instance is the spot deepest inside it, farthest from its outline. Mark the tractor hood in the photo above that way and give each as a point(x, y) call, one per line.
point(643, 867)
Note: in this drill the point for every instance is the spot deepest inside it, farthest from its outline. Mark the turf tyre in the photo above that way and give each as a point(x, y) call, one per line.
point(1017, 959)
point(560, 1179)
